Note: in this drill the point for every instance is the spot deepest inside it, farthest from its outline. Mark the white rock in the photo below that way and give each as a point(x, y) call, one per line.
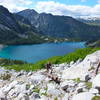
point(74, 72)
point(43, 98)
point(81, 69)
point(68, 82)
point(94, 91)
point(83, 96)
point(54, 93)
point(65, 97)
point(37, 78)
point(42, 91)
point(72, 62)
point(96, 81)
point(30, 73)
point(35, 96)
point(52, 90)
point(20, 96)
point(2, 95)
point(7, 88)
point(51, 86)
point(81, 85)
point(20, 88)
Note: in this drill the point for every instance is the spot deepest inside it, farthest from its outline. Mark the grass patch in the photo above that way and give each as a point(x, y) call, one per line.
point(88, 85)
point(56, 98)
point(37, 90)
point(18, 65)
point(77, 80)
point(96, 98)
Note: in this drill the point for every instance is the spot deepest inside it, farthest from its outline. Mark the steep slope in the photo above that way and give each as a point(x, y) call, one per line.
point(16, 29)
point(8, 25)
point(61, 26)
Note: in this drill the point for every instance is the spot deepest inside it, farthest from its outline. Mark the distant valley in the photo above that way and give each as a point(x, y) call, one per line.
point(90, 21)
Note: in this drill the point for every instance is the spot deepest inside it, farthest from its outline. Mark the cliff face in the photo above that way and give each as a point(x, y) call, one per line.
point(78, 80)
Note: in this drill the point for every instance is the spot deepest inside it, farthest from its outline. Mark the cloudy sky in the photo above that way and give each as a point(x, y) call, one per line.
point(75, 8)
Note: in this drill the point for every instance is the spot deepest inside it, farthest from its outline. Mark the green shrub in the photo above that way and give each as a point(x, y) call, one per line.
point(96, 98)
point(5, 76)
point(36, 89)
point(56, 98)
point(88, 85)
point(77, 80)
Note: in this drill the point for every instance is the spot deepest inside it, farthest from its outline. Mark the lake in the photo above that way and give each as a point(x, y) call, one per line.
point(37, 52)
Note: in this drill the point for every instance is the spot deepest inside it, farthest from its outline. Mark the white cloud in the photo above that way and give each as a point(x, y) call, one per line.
point(15, 5)
point(98, 1)
point(57, 8)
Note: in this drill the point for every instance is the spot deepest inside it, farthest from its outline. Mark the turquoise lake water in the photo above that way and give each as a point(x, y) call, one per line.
point(34, 53)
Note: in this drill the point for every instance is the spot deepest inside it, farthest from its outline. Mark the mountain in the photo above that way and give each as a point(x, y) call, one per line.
point(91, 21)
point(28, 26)
point(61, 26)
point(15, 29)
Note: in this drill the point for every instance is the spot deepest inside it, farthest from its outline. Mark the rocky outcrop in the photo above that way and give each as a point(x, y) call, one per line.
point(77, 82)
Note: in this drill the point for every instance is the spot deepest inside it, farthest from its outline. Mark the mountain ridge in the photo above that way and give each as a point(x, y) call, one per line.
point(28, 26)
point(16, 29)
point(61, 26)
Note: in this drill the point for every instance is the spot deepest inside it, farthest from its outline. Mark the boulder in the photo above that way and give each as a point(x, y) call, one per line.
point(65, 97)
point(79, 90)
point(35, 96)
point(87, 78)
point(83, 96)
point(96, 81)
point(2, 96)
point(94, 91)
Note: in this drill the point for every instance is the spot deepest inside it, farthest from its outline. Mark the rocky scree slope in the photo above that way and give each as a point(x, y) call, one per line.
point(79, 80)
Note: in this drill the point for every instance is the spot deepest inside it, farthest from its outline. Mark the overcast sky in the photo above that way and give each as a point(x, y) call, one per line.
point(75, 8)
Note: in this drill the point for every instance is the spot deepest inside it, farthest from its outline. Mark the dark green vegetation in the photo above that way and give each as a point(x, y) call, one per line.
point(93, 43)
point(61, 26)
point(28, 27)
point(78, 54)
point(96, 98)
point(15, 29)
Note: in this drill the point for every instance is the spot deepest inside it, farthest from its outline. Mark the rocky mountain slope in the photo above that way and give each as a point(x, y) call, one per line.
point(60, 26)
point(91, 21)
point(17, 30)
point(28, 26)
point(78, 80)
